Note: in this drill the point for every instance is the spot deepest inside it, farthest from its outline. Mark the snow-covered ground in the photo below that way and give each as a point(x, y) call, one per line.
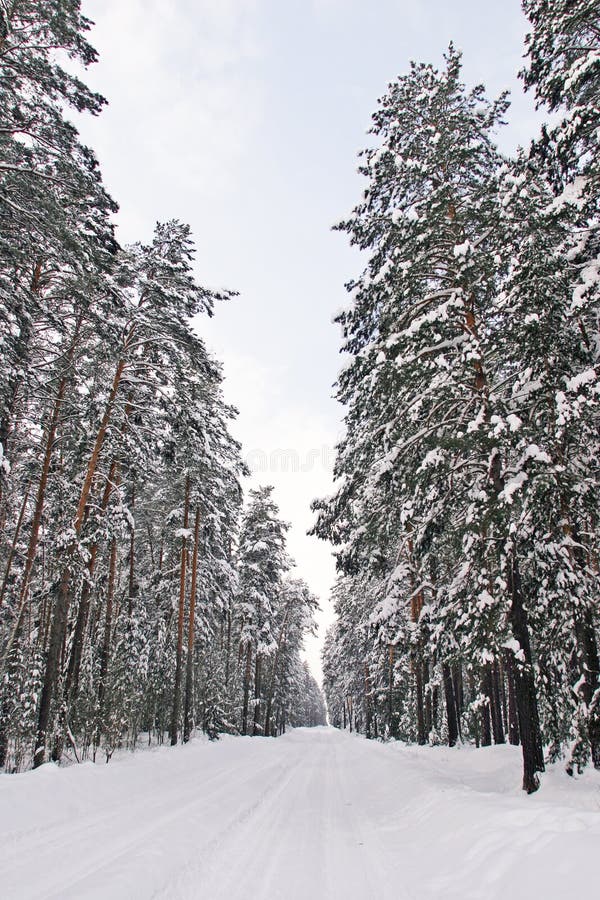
point(314, 814)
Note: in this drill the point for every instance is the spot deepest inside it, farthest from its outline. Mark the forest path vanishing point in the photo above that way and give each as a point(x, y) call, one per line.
point(317, 814)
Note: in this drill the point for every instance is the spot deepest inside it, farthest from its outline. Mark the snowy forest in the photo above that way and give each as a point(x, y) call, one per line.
point(144, 598)
point(139, 596)
point(465, 512)
point(299, 577)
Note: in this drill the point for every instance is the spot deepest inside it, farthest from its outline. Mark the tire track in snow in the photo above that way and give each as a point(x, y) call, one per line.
point(364, 830)
point(224, 861)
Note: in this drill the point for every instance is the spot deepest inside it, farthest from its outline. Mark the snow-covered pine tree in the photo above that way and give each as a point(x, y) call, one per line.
point(548, 338)
point(307, 705)
point(262, 561)
point(111, 414)
point(56, 242)
point(53, 209)
point(550, 432)
point(421, 474)
point(346, 652)
point(286, 679)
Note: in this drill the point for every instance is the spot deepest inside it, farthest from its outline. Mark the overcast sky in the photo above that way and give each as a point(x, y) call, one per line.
point(243, 118)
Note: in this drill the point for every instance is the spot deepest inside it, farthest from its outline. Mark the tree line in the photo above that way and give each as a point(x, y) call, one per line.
point(137, 594)
point(465, 514)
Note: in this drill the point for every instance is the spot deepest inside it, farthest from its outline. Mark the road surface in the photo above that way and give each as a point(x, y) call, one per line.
point(314, 815)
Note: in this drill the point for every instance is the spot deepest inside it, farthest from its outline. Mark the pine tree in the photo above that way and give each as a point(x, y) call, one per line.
point(425, 492)
point(551, 202)
point(262, 562)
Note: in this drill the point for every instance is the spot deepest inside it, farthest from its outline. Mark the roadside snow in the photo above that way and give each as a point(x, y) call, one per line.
point(314, 814)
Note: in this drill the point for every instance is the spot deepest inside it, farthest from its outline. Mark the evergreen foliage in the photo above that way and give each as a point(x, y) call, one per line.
point(128, 596)
point(466, 508)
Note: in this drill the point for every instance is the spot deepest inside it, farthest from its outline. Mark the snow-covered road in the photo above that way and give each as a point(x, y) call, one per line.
point(315, 814)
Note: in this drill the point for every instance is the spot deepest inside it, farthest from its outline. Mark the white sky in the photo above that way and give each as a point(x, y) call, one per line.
point(243, 118)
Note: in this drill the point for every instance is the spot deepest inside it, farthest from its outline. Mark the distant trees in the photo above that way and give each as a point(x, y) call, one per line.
point(467, 508)
point(124, 593)
point(307, 704)
point(274, 615)
point(262, 564)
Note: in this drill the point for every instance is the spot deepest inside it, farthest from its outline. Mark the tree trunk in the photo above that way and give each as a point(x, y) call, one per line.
point(180, 617)
point(459, 694)
point(58, 629)
point(131, 587)
point(3, 732)
point(492, 713)
point(41, 496)
point(247, 676)
point(525, 692)
point(61, 612)
point(393, 731)
point(98, 444)
point(428, 697)
point(15, 380)
point(228, 648)
point(419, 701)
point(416, 605)
point(108, 621)
point(13, 546)
point(188, 718)
point(280, 643)
point(368, 711)
point(524, 681)
point(496, 707)
point(74, 666)
point(590, 683)
point(112, 479)
point(501, 676)
point(513, 719)
point(587, 651)
point(257, 690)
point(451, 712)
point(486, 728)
